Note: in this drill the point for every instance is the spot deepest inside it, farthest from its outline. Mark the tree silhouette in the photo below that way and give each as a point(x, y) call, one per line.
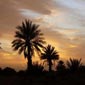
point(49, 54)
point(74, 64)
point(28, 39)
point(61, 68)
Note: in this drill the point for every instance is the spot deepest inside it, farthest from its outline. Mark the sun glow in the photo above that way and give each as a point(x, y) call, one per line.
point(72, 46)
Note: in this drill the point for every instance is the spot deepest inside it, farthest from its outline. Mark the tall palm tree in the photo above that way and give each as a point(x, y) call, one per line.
point(49, 54)
point(28, 39)
point(74, 64)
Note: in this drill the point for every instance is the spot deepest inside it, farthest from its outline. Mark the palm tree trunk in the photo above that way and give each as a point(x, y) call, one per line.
point(50, 66)
point(29, 58)
point(29, 63)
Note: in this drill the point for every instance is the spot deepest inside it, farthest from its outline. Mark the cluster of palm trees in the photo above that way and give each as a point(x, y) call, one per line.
point(29, 39)
point(71, 66)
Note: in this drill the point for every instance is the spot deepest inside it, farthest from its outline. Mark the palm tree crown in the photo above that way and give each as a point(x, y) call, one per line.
point(74, 64)
point(49, 54)
point(28, 38)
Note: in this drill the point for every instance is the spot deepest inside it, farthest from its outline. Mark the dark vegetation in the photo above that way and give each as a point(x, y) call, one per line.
point(38, 76)
point(29, 40)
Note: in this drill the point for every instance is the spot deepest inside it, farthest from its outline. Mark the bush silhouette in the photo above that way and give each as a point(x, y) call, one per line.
point(8, 71)
point(36, 69)
point(61, 68)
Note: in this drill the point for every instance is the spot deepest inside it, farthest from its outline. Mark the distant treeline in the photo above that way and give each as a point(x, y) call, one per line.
point(73, 66)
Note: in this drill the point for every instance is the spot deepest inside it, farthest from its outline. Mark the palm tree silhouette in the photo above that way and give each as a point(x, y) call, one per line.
point(49, 54)
point(28, 40)
point(74, 64)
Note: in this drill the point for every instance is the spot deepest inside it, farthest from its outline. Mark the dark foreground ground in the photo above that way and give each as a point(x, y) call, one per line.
point(72, 79)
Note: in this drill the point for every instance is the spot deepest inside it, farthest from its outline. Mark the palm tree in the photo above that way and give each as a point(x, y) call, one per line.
point(49, 54)
point(28, 39)
point(74, 64)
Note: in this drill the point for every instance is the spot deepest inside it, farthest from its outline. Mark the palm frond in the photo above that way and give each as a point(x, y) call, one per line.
point(74, 64)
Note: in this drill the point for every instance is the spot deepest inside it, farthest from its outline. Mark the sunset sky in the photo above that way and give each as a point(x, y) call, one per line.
point(61, 21)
